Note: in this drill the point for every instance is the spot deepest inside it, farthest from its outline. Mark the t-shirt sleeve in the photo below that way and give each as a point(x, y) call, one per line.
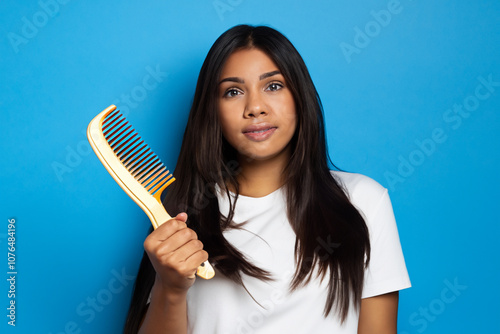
point(387, 269)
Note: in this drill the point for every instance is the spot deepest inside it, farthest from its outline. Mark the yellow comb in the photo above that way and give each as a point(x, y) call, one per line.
point(134, 166)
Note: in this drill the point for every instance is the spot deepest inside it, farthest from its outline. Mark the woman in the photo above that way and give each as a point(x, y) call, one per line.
point(297, 248)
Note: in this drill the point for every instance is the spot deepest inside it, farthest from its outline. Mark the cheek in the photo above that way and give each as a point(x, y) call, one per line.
point(290, 117)
point(223, 120)
point(287, 110)
point(228, 127)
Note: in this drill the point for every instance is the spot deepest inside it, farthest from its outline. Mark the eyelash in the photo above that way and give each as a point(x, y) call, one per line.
point(232, 89)
point(228, 91)
point(279, 84)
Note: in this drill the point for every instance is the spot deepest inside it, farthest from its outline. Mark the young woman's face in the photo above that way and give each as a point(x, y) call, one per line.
point(256, 107)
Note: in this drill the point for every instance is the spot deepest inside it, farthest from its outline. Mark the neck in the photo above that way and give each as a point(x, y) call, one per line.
point(260, 178)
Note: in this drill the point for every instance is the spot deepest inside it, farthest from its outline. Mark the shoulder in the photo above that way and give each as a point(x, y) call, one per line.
point(364, 192)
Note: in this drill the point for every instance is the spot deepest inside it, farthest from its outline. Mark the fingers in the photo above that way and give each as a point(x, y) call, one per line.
point(186, 266)
point(173, 247)
point(198, 258)
point(184, 260)
point(166, 230)
point(182, 241)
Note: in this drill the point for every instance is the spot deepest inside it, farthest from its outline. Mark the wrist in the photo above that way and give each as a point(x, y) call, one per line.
point(172, 296)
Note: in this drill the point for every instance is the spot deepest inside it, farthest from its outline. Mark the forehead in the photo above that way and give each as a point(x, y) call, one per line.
point(248, 63)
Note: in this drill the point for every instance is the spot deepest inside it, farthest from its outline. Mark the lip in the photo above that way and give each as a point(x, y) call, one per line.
point(259, 132)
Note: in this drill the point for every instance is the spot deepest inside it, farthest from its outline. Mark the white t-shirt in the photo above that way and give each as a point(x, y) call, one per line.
point(267, 239)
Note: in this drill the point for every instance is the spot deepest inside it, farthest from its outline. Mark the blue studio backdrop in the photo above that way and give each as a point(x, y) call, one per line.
point(411, 92)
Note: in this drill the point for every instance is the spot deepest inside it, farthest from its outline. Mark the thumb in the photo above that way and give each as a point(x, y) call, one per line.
point(182, 216)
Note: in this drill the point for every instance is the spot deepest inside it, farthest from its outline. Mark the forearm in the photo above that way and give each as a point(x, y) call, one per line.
point(379, 314)
point(167, 313)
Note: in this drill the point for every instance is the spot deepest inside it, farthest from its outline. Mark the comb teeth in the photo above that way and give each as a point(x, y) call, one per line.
point(135, 155)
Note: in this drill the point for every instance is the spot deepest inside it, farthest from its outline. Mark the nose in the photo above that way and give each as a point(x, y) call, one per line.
point(255, 106)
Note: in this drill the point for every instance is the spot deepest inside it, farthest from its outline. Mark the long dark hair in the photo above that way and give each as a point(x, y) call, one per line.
point(317, 206)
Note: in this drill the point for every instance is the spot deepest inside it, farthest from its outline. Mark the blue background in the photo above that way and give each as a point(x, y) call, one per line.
point(389, 94)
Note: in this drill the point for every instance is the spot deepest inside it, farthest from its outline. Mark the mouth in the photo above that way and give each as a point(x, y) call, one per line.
point(259, 132)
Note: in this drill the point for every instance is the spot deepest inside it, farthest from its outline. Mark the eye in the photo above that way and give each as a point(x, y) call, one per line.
point(231, 92)
point(274, 86)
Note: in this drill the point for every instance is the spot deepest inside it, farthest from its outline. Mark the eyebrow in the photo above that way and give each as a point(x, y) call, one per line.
point(268, 74)
point(261, 77)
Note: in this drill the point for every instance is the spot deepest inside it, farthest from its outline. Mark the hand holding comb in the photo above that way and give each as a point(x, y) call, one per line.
point(134, 166)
